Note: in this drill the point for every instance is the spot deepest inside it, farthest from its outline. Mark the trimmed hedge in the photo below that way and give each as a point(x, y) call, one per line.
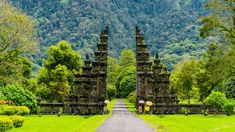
point(22, 110)
point(132, 97)
point(17, 120)
point(5, 123)
point(14, 110)
point(8, 110)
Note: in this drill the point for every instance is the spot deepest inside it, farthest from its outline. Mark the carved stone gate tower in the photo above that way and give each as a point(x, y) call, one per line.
point(89, 94)
point(143, 69)
point(151, 77)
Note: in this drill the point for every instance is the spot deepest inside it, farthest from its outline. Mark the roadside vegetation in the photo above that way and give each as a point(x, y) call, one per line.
point(64, 123)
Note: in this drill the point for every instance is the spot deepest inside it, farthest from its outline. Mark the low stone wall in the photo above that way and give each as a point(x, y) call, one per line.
point(71, 108)
point(180, 109)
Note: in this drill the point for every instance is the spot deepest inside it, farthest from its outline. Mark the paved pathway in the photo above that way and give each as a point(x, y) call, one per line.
point(123, 121)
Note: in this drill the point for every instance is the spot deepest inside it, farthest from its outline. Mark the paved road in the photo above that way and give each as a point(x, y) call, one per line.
point(123, 121)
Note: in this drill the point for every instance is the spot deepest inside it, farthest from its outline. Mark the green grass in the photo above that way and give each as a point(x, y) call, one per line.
point(65, 123)
point(191, 123)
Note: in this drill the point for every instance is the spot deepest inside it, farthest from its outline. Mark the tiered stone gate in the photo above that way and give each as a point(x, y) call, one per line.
point(89, 93)
point(91, 85)
point(152, 78)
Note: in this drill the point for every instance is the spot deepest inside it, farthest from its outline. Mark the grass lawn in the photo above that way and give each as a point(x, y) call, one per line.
point(191, 123)
point(65, 123)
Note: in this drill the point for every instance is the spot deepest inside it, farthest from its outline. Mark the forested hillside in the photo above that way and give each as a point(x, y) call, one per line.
point(165, 24)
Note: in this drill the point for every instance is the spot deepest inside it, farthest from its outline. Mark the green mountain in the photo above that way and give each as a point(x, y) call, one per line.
point(163, 22)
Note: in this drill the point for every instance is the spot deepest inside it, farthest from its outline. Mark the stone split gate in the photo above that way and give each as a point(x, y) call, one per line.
point(89, 94)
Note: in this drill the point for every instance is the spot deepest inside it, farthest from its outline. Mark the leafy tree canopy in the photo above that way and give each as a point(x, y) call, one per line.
point(183, 79)
point(57, 75)
point(126, 82)
point(16, 29)
point(126, 59)
point(221, 20)
point(17, 37)
point(163, 22)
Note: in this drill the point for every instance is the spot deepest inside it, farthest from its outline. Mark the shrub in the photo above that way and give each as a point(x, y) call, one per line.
point(5, 102)
point(228, 107)
point(60, 112)
point(229, 87)
point(127, 85)
point(5, 123)
point(111, 91)
point(185, 111)
point(12, 110)
point(20, 96)
point(132, 97)
point(125, 82)
point(205, 112)
point(17, 120)
point(216, 99)
point(8, 110)
point(22, 110)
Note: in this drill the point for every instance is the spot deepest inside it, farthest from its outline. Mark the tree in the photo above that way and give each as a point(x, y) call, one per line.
point(216, 67)
point(20, 96)
point(226, 63)
point(203, 80)
point(183, 79)
point(14, 68)
point(16, 29)
point(17, 38)
point(126, 81)
point(126, 59)
point(111, 91)
point(219, 59)
point(113, 68)
point(221, 21)
point(229, 88)
point(63, 54)
point(59, 83)
point(58, 71)
point(216, 99)
point(127, 85)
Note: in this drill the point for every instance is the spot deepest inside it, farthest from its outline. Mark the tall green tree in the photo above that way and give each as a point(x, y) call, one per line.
point(17, 38)
point(113, 68)
point(203, 80)
point(16, 29)
point(126, 82)
point(229, 88)
point(221, 20)
point(113, 72)
point(58, 71)
point(127, 85)
point(219, 62)
point(126, 59)
point(183, 79)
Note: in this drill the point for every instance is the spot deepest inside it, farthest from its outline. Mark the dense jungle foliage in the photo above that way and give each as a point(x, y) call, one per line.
point(196, 43)
point(170, 26)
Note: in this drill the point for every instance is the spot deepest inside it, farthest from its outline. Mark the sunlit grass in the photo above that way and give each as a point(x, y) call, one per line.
point(65, 123)
point(191, 123)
